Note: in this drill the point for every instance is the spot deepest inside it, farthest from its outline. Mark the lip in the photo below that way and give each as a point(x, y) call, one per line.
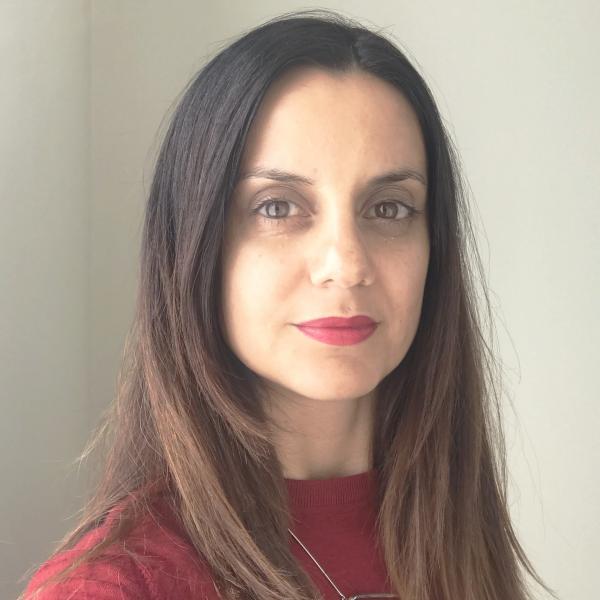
point(339, 331)
point(334, 322)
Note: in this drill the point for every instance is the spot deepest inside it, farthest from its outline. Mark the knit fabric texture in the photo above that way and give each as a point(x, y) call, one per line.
point(334, 518)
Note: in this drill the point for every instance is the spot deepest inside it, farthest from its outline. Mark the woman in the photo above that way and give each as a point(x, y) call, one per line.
point(307, 406)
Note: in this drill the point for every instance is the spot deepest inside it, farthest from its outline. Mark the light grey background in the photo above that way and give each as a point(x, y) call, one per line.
point(84, 89)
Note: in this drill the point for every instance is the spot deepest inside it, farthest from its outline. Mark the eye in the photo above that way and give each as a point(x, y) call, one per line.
point(393, 210)
point(274, 208)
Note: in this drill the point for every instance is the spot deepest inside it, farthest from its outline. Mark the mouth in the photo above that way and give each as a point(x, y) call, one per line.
point(357, 321)
point(338, 336)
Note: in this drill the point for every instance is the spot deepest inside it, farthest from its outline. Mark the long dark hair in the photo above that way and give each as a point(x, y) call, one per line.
point(187, 412)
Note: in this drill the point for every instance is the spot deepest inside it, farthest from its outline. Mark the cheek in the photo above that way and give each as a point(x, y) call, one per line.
point(404, 283)
point(253, 294)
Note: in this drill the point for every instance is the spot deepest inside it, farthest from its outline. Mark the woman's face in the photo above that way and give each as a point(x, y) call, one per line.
point(339, 244)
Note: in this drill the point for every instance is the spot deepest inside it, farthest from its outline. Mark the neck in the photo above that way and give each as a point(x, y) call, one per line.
point(317, 439)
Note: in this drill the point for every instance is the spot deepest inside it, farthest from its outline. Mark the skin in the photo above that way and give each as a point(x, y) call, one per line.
point(331, 252)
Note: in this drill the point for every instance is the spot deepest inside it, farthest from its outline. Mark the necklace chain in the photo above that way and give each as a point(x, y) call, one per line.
point(342, 597)
point(318, 565)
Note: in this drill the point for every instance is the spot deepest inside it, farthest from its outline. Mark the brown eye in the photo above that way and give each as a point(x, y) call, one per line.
point(273, 209)
point(276, 208)
point(393, 211)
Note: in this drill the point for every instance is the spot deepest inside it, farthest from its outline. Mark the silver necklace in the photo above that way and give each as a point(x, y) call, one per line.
point(342, 597)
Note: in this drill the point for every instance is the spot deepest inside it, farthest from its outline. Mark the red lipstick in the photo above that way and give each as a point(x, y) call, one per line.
point(339, 331)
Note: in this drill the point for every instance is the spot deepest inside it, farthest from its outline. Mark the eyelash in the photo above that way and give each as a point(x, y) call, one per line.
point(412, 212)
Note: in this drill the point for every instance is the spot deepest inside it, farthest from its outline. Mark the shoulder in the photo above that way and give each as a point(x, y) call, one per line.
point(155, 562)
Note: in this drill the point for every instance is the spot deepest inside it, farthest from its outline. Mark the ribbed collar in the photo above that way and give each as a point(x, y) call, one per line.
point(334, 491)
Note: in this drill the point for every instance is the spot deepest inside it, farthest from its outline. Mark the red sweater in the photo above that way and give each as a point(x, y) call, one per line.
point(334, 518)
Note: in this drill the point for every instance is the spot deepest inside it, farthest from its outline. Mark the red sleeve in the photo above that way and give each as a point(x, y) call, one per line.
point(165, 568)
point(159, 564)
point(118, 579)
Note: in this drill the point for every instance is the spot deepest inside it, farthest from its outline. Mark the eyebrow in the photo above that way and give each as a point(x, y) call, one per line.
point(287, 177)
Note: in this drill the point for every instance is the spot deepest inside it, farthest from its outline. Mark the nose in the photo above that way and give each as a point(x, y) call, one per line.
point(341, 256)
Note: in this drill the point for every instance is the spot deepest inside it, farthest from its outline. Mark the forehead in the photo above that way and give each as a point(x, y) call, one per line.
point(331, 125)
